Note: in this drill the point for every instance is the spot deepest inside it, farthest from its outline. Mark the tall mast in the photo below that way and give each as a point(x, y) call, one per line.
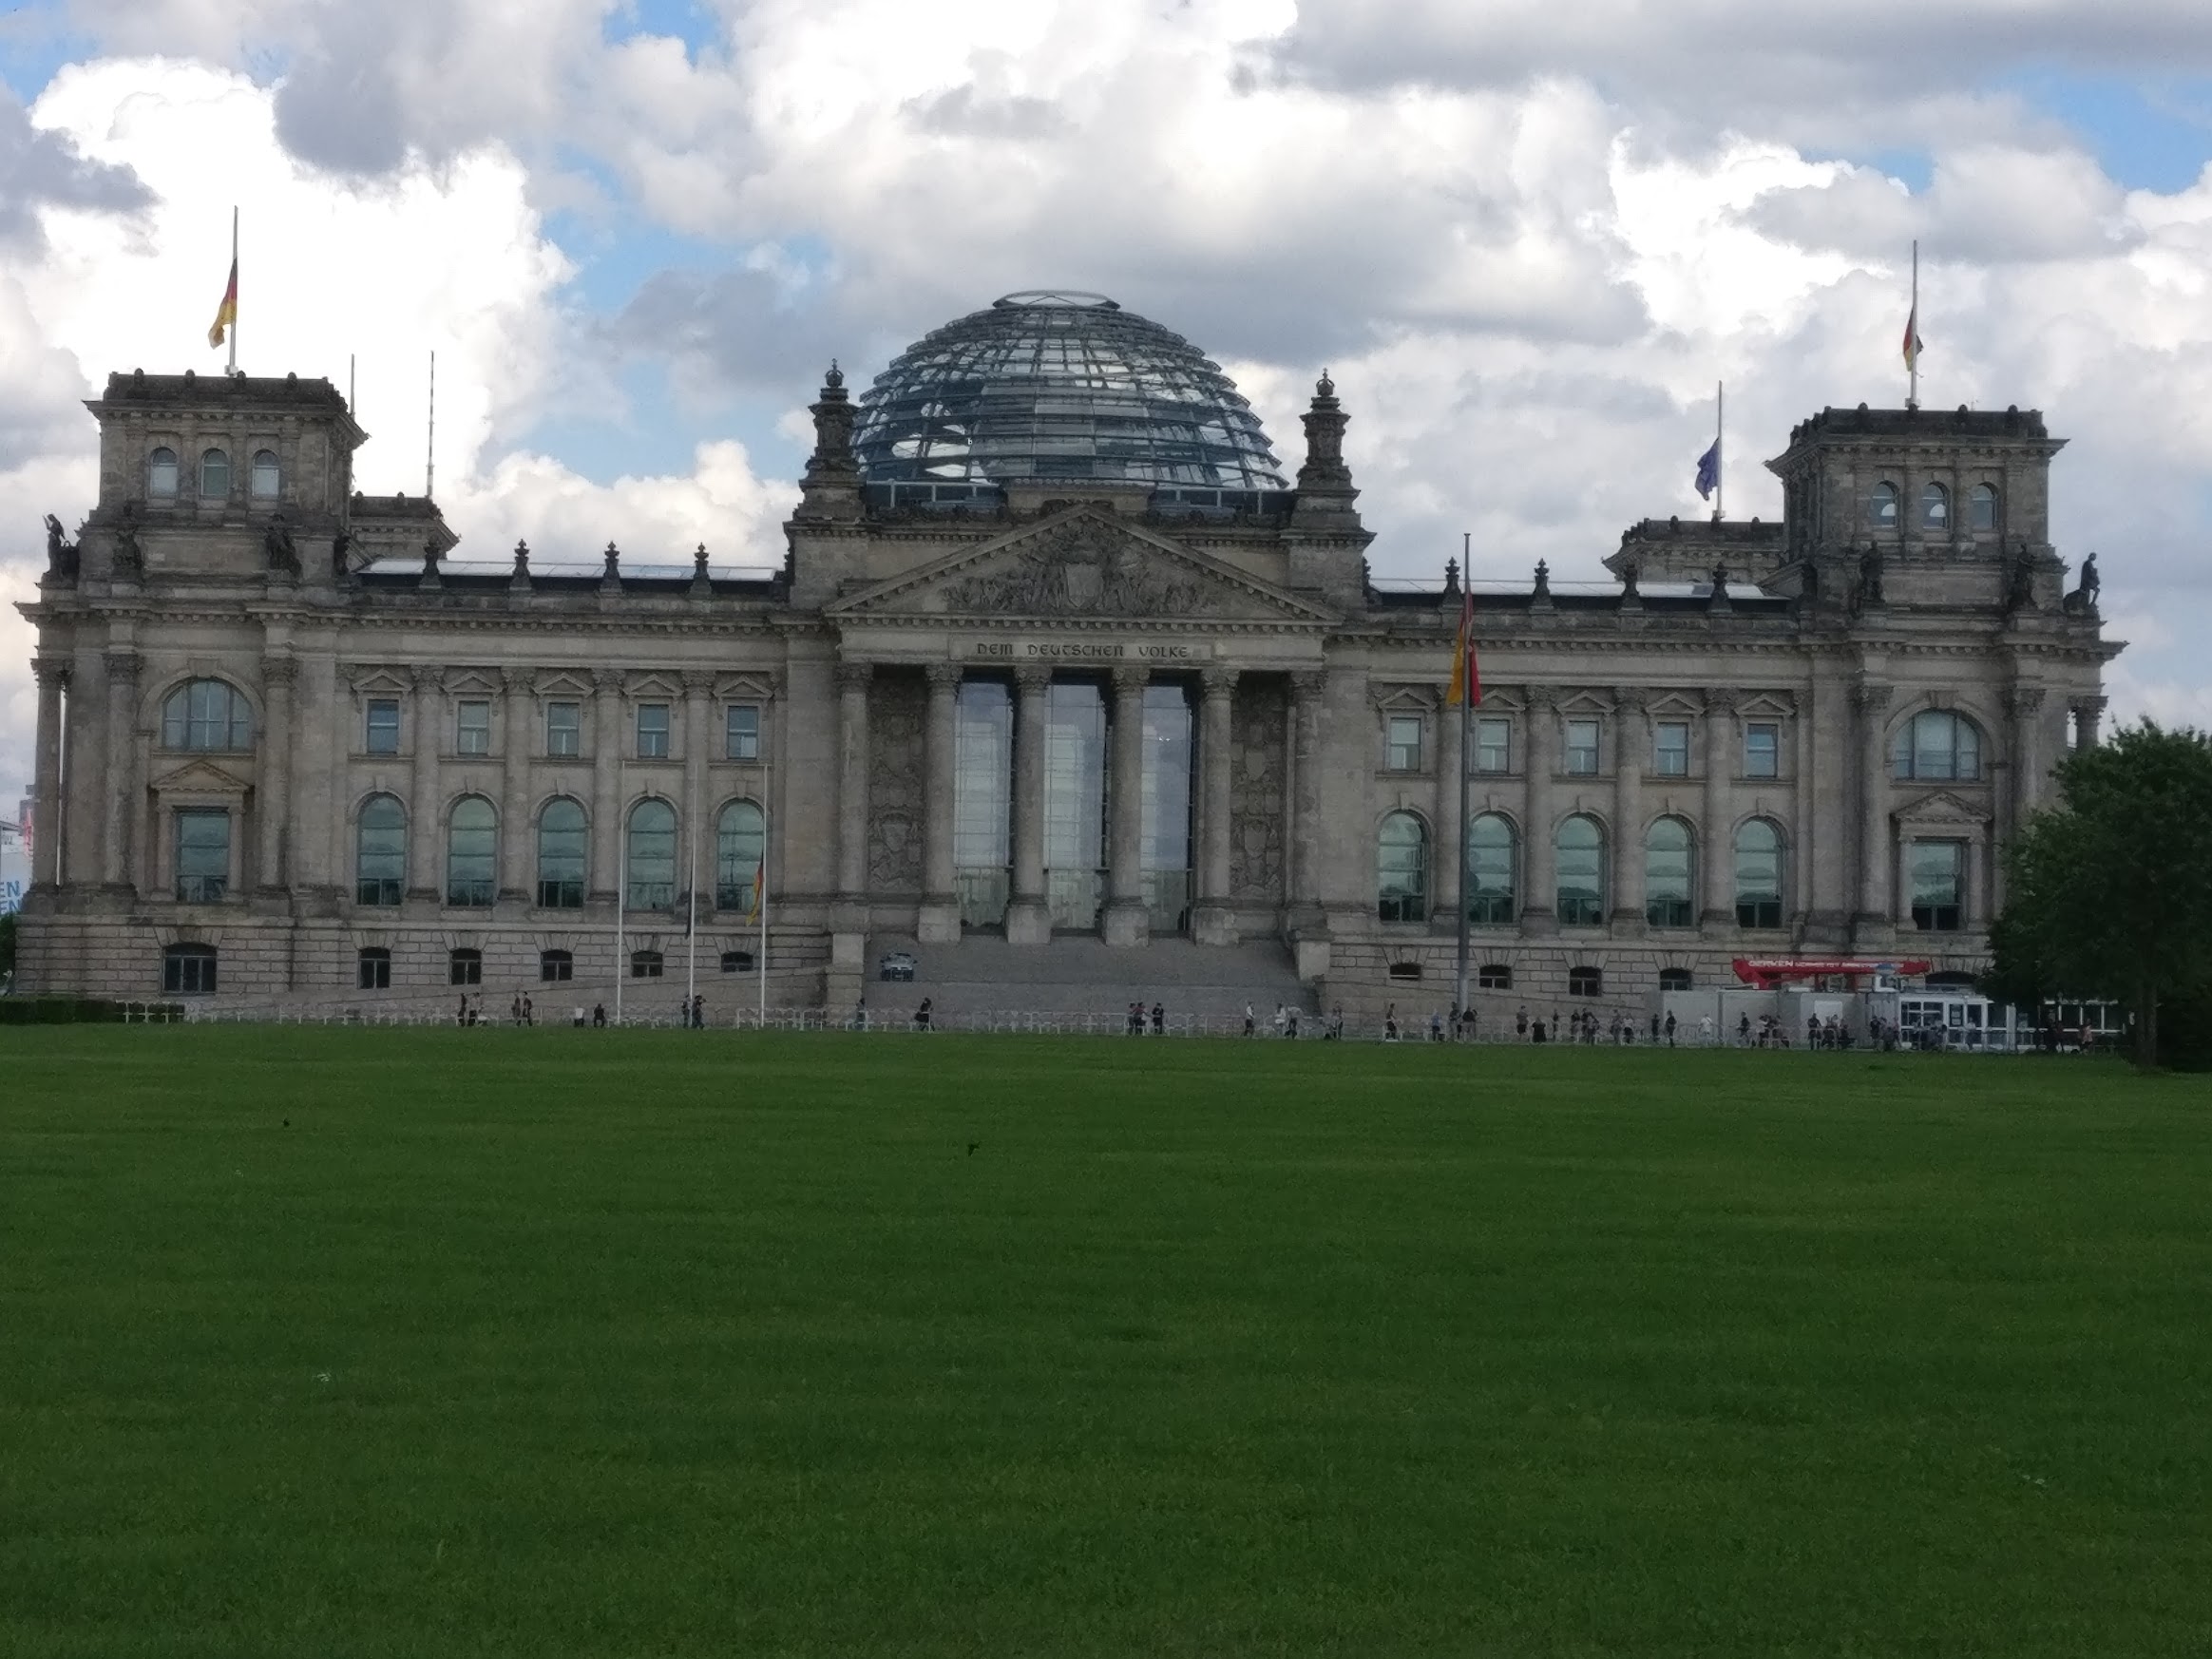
point(233, 327)
point(1720, 450)
point(1466, 771)
point(431, 443)
point(1912, 335)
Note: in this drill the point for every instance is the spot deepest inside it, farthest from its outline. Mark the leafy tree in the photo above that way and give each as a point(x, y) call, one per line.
point(2110, 892)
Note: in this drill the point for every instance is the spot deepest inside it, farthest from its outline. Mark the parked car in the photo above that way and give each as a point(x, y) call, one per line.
point(895, 964)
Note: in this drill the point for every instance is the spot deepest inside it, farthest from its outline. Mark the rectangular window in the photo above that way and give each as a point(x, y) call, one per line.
point(472, 727)
point(1493, 744)
point(383, 733)
point(1582, 748)
point(555, 966)
point(202, 855)
point(651, 731)
point(464, 968)
point(564, 729)
point(375, 970)
point(1762, 749)
point(188, 970)
point(742, 733)
point(1938, 884)
point(1671, 748)
point(1405, 753)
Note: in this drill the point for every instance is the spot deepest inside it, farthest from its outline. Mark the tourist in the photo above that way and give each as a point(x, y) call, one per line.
point(1536, 1031)
point(461, 1016)
point(1436, 1026)
point(699, 1012)
point(1290, 1025)
point(1669, 1028)
point(1248, 1020)
point(1704, 1031)
point(1390, 1024)
point(599, 1013)
point(1159, 1021)
point(515, 1012)
point(530, 1011)
point(1521, 1024)
point(1281, 1017)
point(921, 1015)
point(1744, 1031)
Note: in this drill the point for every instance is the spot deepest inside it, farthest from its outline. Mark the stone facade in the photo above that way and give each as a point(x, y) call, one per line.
point(478, 712)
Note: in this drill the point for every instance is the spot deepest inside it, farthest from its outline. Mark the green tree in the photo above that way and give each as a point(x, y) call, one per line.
point(2110, 892)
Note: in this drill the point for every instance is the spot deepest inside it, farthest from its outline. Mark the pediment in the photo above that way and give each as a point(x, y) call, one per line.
point(1082, 564)
point(199, 777)
point(1939, 808)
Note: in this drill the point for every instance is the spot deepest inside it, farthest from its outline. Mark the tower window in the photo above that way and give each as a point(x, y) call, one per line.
point(1493, 744)
point(264, 476)
point(1935, 508)
point(1881, 507)
point(215, 476)
point(742, 731)
point(1982, 508)
point(564, 729)
point(161, 473)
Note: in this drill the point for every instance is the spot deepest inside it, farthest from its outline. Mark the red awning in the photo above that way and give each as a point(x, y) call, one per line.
point(1770, 972)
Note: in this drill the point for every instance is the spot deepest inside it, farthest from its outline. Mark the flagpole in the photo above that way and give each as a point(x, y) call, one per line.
point(760, 895)
point(233, 327)
point(1720, 455)
point(622, 893)
point(1466, 766)
point(690, 921)
point(1912, 335)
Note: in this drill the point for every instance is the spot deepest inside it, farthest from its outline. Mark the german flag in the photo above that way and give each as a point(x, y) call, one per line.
point(226, 315)
point(759, 886)
point(1466, 685)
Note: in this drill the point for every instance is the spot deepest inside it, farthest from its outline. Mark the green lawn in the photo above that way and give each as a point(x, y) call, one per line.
point(544, 1342)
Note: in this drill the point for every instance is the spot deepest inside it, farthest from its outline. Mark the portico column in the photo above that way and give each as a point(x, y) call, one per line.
point(939, 923)
point(607, 805)
point(1871, 701)
point(514, 789)
point(1307, 689)
point(1539, 904)
point(273, 779)
point(1714, 862)
point(425, 829)
point(2025, 704)
point(1127, 921)
point(1213, 922)
point(2086, 712)
point(1450, 857)
point(45, 825)
point(1631, 734)
point(1028, 922)
point(125, 801)
point(853, 679)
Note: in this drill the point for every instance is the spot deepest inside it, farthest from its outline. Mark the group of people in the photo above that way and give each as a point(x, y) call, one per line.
point(1287, 1023)
point(523, 1011)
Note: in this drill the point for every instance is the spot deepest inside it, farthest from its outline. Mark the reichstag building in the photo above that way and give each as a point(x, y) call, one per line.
point(1060, 665)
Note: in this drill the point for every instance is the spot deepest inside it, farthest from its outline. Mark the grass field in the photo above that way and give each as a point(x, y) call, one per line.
point(450, 1343)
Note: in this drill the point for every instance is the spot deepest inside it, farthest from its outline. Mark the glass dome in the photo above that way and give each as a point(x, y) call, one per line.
point(1050, 385)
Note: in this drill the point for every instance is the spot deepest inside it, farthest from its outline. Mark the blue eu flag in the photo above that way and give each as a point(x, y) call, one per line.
point(1709, 470)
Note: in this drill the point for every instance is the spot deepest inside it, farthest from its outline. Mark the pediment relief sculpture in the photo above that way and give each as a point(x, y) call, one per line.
point(1938, 807)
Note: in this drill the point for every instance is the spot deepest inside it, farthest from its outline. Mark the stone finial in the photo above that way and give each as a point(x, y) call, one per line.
point(1632, 598)
point(1325, 387)
point(1717, 600)
point(700, 581)
point(519, 581)
point(430, 564)
point(1451, 578)
point(1543, 589)
point(829, 487)
point(610, 578)
point(1324, 483)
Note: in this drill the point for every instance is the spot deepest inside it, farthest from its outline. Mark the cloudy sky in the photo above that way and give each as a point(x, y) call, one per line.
point(1526, 238)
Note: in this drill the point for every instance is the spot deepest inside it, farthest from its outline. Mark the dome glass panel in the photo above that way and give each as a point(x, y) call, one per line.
point(1059, 384)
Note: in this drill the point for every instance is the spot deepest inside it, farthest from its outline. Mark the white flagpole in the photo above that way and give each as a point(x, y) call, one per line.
point(622, 893)
point(1720, 453)
point(1913, 331)
point(233, 327)
point(760, 899)
point(690, 922)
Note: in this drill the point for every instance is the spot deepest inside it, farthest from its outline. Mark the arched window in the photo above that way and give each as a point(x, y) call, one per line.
point(650, 880)
point(1881, 507)
point(1757, 874)
point(1935, 507)
point(161, 473)
point(380, 851)
point(1939, 745)
point(560, 856)
point(214, 475)
point(1401, 869)
point(740, 839)
point(264, 476)
point(471, 853)
point(1490, 870)
point(1982, 508)
point(1581, 866)
point(206, 714)
point(1667, 872)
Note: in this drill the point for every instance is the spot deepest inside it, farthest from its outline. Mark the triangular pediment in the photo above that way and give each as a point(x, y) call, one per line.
point(1938, 808)
point(199, 777)
point(1080, 563)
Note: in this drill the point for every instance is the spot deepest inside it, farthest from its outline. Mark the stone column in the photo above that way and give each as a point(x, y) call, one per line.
point(1870, 702)
point(2087, 713)
point(1127, 921)
point(1449, 859)
point(273, 779)
point(125, 803)
point(606, 780)
point(45, 825)
point(696, 852)
point(1973, 908)
point(424, 822)
point(938, 921)
point(1541, 902)
point(1715, 861)
point(853, 679)
point(1307, 689)
point(1631, 737)
point(1028, 921)
point(1213, 921)
point(515, 840)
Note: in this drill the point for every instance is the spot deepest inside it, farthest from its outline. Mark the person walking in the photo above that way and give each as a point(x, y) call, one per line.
point(922, 1015)
point(1521, 1024)
point(1248, 1020)
point(1290, 1023)
point(1669, 1028)
point(1390, 1024)
point(529, 1010)
point(1282, 1014)
point(1704, 1031)
point(1159, 1019)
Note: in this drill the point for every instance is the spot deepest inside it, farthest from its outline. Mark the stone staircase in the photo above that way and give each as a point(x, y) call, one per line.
point(1087, 976)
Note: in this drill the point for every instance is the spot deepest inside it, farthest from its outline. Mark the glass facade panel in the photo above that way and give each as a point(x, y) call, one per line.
point(1493, 744)
point(1401, 869)
point(562, 844)
point(1582, 748)
point(1936, 874)
point(1757, 875)
point(1490, 870)
point(983, 800)
point(1667, 875)
point(203, 854)
point(1168, 752)
point(740, 839)
point(472, 852)
point(380, 852)
point(1580, 860)
point(650, 880)
point(564, 729)
point(1671, 748)
point(1075, 805)
point(207, 715)
point(1762, 749)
